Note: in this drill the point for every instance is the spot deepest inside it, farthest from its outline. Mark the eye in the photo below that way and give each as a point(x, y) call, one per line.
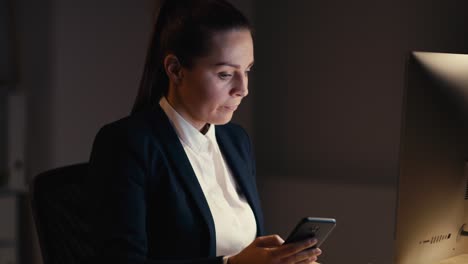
point(248, 70)
point(224, 75)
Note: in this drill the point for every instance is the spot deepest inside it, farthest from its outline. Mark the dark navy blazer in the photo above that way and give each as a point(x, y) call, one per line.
point(149, 206)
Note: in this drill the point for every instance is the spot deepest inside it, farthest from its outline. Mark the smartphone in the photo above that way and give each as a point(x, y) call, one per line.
point(312, 227)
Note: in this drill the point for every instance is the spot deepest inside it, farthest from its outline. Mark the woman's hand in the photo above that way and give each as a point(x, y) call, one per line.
point(270, 250)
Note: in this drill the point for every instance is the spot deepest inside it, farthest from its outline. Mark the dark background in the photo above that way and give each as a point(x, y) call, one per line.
point(324, 109)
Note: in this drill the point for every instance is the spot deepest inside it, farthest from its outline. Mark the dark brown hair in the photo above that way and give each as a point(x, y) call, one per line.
point(183, 28)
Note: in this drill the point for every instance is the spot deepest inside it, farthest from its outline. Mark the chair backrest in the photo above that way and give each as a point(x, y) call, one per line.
point(61, 206)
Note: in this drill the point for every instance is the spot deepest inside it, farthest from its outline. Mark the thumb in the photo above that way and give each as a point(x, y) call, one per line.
point(269, 241)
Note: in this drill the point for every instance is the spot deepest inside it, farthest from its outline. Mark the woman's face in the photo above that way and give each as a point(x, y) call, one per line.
point(212, 89)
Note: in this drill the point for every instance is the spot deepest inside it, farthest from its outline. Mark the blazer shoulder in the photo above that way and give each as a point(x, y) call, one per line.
point(131, 124)
point(127, 140)
point(136, 133)
point(233, 130)
point(236, 134)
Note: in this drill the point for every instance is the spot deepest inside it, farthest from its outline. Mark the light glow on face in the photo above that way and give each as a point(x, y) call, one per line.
point(213, 88)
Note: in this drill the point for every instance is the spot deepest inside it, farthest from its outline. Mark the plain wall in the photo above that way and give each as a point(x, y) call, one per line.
point(329, 89)
point(7, 41)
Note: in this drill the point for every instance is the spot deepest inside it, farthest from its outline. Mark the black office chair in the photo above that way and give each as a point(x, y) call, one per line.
point(60, 206)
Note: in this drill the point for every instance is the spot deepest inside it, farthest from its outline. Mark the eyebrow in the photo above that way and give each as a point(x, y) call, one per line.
point(232, 65)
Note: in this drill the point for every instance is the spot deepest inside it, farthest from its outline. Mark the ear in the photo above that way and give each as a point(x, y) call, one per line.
point(173, 68)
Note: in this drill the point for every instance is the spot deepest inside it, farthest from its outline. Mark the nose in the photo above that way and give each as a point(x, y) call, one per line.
point(241, 86)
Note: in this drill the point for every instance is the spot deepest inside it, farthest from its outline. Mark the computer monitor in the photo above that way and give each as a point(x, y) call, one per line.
point(432, 188)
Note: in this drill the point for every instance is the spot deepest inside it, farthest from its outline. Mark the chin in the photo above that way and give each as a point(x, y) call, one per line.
point(221, 120)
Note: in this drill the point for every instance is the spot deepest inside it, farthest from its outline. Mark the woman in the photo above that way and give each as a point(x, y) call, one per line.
point(176, 180)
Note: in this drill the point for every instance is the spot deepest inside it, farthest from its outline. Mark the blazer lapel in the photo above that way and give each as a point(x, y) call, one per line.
point(182, 167)
point(242, 174)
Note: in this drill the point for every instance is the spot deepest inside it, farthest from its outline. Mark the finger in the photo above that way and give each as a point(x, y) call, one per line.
point(287, 250)
point(308, 261)
point(305, 255)
point(269, 241)
point(312, 252)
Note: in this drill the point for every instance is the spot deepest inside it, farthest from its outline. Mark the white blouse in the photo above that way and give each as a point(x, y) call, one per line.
point(235, 224)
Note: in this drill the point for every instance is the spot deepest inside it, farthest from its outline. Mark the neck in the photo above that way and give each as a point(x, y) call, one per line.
point(172, 99)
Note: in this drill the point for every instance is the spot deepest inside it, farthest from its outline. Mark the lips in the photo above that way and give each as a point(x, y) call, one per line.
point(231, 107)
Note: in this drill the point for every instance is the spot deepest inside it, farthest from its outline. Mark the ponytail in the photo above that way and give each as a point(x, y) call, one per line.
point(154, 81)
